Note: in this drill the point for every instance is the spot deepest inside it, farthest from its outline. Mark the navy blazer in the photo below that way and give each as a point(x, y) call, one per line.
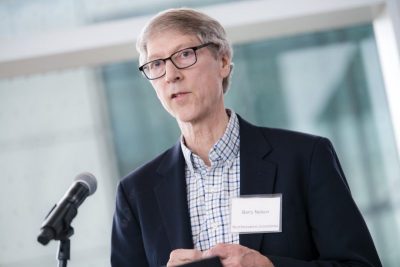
point(321, 225)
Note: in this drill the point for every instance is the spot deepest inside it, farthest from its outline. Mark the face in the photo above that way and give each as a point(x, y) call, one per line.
point(195, 93)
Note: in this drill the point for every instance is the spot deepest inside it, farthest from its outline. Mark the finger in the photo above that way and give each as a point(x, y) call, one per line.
point(221, 250)
point(180, 256)
point(189, 253)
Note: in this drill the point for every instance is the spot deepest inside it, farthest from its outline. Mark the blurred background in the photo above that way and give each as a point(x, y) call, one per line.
point(72, 100)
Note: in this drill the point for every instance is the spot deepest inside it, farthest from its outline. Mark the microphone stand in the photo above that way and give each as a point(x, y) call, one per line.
point(64, 248)
point(64, 252)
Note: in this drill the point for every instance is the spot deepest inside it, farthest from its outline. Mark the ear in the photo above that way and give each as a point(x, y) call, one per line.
point(225, 66)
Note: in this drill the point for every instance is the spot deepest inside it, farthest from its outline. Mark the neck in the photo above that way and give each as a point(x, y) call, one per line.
point(201, 136)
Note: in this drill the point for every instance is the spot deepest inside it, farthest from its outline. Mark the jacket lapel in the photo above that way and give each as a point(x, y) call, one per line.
point(172, 199)
point(257, 174)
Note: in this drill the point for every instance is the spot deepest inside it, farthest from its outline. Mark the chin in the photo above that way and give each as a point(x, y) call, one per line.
point(184, 118)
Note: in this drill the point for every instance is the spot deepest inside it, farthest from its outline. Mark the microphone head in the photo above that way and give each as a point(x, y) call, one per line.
point(89, 180)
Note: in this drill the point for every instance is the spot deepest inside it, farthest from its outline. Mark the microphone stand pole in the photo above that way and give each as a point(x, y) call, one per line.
point(64, 249)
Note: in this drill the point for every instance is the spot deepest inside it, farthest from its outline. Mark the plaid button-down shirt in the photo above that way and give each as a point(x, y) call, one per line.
point(209, 189)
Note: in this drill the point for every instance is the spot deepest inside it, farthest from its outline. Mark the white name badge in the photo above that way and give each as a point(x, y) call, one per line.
point(256, 214)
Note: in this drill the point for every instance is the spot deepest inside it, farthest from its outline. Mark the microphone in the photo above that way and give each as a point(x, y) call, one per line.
point(57, 223)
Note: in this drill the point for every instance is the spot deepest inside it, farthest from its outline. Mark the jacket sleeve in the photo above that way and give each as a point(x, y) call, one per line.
point(126, 242)
point(338, 229)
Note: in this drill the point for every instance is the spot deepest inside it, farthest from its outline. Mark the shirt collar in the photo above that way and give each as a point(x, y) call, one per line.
point(225, 149)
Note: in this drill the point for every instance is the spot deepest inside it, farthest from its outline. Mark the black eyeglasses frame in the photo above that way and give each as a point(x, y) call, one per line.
point(194, 48)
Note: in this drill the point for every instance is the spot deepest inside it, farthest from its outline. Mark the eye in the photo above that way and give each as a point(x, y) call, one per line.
point(155, 64)
point(187, 53)
point(145, 67)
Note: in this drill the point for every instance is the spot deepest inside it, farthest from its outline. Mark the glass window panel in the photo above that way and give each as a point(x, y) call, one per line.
point(52, 129)
point(22, 17)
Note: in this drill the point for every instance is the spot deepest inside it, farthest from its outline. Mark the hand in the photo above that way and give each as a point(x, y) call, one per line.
point(182, 256)
point(238, 256)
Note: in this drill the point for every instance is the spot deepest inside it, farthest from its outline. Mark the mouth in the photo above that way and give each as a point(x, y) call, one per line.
point(180, 94)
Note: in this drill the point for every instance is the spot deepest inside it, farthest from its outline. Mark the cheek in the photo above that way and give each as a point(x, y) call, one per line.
point(209, 77)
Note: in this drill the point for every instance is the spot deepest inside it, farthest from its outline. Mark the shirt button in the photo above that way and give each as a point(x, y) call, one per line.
point(214, 226)
point(214, 189)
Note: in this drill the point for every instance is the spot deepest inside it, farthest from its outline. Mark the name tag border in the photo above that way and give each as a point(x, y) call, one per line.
point(275, 195)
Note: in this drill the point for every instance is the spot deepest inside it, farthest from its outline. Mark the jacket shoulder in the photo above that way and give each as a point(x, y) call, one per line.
point(284, 135)
point(277, 134)
point(294, 142)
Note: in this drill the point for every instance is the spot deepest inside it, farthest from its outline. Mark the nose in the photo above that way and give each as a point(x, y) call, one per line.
point(172, 73)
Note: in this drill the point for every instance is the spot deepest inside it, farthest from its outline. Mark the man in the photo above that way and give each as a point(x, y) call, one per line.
point(177, 208)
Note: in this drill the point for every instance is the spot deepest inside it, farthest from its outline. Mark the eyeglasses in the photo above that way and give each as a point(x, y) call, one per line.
point(181, 59)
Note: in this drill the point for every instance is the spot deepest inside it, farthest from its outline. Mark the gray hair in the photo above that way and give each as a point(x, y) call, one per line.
point(187, 21)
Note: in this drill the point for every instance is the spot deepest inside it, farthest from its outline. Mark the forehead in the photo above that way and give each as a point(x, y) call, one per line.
point(163, 44)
